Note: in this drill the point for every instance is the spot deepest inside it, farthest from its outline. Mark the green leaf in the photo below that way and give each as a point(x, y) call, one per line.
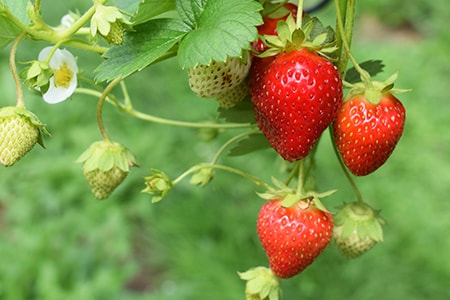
point(373, 67)
point(240, 113)
point(220, 28)
point(8, 31)
point(251, 144)
point(150, 41)
point(149, 9)
point(18, 9)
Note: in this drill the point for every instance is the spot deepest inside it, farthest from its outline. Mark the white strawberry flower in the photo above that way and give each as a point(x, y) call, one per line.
point(64, 80)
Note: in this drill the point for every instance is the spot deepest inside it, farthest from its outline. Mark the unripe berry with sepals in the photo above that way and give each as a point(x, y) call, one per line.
point(20, 130)
point(105, 166)
point(208, 81)
point(357, 229)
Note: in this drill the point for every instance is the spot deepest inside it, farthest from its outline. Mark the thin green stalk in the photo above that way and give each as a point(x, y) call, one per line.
point(150, 118)
point(231, 141)
point(101, 100)
point(299, 13)
point(12, 66)
point(365, 77)
point(195, 168)
point(301, 178)
point(347, 174)
point(159, 120)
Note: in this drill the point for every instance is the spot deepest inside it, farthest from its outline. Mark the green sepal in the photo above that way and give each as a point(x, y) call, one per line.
point(261, 284)
point(362, 218)
point(10, 111)
point(313, 36)
point(202, 177)
point(158, 185)
point(105, 155)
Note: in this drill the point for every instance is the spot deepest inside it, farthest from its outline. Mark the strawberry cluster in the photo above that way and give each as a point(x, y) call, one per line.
point(296, 91)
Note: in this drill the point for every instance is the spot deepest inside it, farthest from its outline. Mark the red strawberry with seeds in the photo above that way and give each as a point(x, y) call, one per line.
point(295, 95)
point(293, 236)
point(366, 131)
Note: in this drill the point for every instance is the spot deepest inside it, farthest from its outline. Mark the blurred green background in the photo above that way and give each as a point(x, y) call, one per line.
point(58, 242)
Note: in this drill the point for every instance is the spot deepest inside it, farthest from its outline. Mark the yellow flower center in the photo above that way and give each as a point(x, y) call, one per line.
point(63, 76)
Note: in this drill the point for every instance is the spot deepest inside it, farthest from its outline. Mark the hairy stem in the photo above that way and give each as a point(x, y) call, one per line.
point(12, 66)
point(101, 100)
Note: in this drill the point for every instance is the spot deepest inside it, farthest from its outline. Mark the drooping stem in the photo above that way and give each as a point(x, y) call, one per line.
point(101, 101)
point(347, 174)
point(12, 66)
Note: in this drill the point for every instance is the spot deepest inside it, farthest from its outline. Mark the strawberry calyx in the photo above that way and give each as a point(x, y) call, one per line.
point(290, 197)
point(261, 284)
point(373, 90)
point(105, 155)
point(359, 217)
point(312, 36)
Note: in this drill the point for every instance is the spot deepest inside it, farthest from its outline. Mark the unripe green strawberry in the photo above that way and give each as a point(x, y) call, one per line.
point(357, 229)
point(115, 34)
point(20, 130)
point(102, 183)
point(218, 77)
point(233, 96)
point(105, 166)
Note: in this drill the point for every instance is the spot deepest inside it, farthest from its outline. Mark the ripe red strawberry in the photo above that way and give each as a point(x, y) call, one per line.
point(366, 133)
point(295, 95)
point(294, 236)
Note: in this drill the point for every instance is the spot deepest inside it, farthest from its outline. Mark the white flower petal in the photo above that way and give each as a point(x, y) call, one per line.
point(60, 58)
point(44, 53)
point(56, 94)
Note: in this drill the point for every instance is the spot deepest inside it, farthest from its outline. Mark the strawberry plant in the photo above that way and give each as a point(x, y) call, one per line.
point(281, 80)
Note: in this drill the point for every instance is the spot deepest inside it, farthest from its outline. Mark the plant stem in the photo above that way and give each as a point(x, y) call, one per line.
point(301, 178)
point(299, 14)
point(12, 66)
point(231, 141)
point(355, 188)
point(159, 120)
point(195, 168)
point(101, 100)
point(365, 77)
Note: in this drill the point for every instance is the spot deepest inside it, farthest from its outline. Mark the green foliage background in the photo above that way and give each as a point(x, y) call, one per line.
point(58, 242)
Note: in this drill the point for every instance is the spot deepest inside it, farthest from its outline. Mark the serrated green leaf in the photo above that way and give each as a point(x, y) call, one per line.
point(240, 113)
point(221, 29)
point(251, 144)
point(150, 42)
point(190, 10)
point(149, 9)
point(373, 67)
